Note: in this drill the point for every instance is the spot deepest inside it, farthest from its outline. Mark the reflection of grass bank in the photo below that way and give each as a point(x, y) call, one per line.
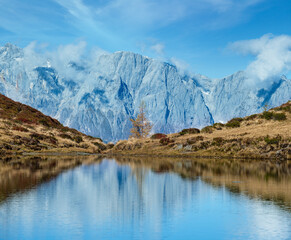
point(21, 173)
point(259, 179)
point(255, 137)
point(268, 180)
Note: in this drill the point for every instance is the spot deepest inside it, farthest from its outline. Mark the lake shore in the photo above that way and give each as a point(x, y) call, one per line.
point(259, 136)
point(257, 177)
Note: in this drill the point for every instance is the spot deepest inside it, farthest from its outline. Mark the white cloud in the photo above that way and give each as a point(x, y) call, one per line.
point(84, 18)
point(67, 53)
point(158, 48)
point(38, 55)
point(153, 13)
point(31, 56)
point(272, 56)
point(182, 66)
point(76, 8)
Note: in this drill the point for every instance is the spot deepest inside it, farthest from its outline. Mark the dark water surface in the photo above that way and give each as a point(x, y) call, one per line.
point(134, 198)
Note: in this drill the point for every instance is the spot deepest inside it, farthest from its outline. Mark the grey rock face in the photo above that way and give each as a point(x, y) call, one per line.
point(99, 99)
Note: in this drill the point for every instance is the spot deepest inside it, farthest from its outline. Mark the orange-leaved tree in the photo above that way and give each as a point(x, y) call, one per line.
point(141, 127)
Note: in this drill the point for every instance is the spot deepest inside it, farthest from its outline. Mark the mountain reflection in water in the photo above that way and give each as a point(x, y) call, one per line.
point(144, 198)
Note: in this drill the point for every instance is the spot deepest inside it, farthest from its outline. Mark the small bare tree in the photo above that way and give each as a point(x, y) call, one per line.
point(266, 106)
point(141, 127)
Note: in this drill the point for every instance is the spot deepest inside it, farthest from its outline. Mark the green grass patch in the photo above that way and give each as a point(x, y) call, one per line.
point(66, 136)
point(274, 116)
point(189, 131)
point(251, 117)
point(78, 139)
point(234, 123)
point(208, 129)
point(274, 140)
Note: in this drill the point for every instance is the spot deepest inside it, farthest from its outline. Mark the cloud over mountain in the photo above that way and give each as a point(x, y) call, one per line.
point(272, 56)
point(97, 93)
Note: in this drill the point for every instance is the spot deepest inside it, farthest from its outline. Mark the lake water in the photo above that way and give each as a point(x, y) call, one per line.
point(146, 199)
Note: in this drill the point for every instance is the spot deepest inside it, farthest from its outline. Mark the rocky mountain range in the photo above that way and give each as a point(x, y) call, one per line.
point(99, 98)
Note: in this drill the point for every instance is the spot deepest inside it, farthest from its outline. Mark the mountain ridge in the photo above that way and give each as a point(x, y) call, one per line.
point(99, 98)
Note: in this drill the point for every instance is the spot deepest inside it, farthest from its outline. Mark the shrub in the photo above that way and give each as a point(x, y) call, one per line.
point(279, 116)
point(84, 145)
point(110, 145)
point(158, 136)
point(78, 139)
point(267, 115)
point(101, 146)
point(20, 129)
point(66, 136)
point(275, 140)
point(44, 123)
point(94, 138)
point(218, 126)
point(218, 140)
point(189, 131)
point(8, 123)
point(52, 140)
point(274, 116)
point(38, 136)
point(194, 139)
point(252, 117)
point(165, 141)
point(237, 119)
point(207, 129)
point(99, 139)
point(65, 129)
point(285, 107)
point(25, 120)
point(49, 139)
point(234, 123)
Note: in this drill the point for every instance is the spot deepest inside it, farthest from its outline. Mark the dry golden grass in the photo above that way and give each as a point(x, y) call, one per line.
point(24, 129)
point(250, 140)
point(7, 135)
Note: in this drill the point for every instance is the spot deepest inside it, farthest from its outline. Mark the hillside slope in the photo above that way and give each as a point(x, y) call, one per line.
point(24, 129)
point(265, 135)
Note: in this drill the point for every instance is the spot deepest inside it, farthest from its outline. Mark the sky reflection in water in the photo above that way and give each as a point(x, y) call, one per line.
point(109, 200)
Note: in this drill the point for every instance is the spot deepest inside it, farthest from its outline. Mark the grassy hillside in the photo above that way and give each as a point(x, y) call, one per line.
point(23, 129)
point(265, 135)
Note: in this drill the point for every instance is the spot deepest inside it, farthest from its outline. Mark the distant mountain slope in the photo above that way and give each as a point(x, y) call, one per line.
point(25, 129)
point(99, 99)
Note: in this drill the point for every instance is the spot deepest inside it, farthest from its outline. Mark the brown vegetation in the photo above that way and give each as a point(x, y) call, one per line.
point(255, 136)
point(141, 127)
point(268, 180)
point(25, 130)
point(18, 173)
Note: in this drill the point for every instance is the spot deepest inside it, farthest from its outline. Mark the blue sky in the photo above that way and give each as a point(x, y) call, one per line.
point(211, 37)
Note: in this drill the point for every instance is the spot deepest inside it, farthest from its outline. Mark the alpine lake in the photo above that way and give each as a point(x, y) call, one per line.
point(91, 197)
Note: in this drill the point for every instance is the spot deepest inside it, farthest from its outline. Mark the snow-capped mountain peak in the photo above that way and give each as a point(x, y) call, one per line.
point(99, 97)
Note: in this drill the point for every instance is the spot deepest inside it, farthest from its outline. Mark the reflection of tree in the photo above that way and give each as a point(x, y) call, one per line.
point(140, 174)
point(109, 192)
point(127, 197)
point(264, 179)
